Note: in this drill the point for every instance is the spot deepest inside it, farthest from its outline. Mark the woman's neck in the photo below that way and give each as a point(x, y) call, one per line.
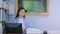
point(20, 16)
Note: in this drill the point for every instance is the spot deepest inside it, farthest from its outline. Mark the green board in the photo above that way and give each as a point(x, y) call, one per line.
point(33, 5)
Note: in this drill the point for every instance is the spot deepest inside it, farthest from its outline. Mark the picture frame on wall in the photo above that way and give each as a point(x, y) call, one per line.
point(33, 6)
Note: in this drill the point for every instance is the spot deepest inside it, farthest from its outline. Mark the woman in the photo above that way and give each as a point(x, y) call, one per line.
point(20, 18)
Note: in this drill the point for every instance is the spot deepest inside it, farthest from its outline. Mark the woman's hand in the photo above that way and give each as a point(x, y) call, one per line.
point(25, 30)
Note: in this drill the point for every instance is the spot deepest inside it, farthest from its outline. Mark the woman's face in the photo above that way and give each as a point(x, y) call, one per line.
point(22, 12)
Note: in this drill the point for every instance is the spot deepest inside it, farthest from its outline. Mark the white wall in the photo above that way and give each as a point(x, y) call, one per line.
point(48, 22)
point(11, 6)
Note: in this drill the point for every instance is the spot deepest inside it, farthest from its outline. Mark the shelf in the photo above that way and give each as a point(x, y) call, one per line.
point(3, 9)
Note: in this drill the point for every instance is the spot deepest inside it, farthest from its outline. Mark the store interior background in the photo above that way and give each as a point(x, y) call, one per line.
point(50, 22)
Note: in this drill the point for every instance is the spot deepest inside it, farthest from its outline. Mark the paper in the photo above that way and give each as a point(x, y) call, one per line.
point(34, 31)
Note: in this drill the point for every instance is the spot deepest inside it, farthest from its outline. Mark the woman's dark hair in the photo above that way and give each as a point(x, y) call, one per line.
point(19, 9)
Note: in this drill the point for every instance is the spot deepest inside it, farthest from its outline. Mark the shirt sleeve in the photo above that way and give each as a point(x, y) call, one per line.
point(28, 24)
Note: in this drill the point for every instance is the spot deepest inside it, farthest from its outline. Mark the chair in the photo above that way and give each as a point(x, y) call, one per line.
point(13, 28)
